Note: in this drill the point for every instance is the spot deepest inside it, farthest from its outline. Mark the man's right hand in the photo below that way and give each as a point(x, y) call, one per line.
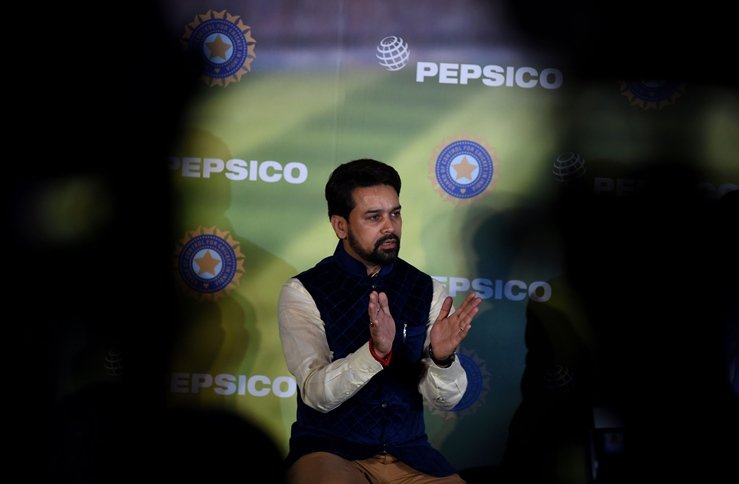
point(382, 324)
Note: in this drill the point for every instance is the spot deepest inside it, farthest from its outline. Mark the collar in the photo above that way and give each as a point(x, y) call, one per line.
point(355, 267)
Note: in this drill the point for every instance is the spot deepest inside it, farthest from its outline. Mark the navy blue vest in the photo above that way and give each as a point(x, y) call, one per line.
point(386, 415)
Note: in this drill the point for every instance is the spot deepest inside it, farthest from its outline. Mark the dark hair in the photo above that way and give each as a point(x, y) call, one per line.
point(346, 177)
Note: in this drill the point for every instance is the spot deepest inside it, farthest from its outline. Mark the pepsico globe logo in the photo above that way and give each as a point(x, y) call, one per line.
point(558, 377)
point(393, 53)
point(568, 166)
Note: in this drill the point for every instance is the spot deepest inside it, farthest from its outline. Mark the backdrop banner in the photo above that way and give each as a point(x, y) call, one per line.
point(486, 130)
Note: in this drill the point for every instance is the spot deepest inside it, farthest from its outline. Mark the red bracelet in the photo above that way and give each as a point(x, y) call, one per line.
point(383, 361)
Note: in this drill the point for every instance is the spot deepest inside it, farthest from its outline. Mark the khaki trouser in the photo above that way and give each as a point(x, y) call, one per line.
point(327, 468)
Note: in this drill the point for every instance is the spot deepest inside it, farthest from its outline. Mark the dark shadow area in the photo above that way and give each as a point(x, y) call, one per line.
point(107, 439)
point(630, 366)
point(90, 216)
point(650, 40)
point(627, 364)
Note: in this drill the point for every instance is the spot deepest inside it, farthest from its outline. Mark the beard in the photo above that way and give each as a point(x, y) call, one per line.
point(376, 256)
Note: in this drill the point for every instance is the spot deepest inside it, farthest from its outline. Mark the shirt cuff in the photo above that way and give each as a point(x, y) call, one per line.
point(383, 361)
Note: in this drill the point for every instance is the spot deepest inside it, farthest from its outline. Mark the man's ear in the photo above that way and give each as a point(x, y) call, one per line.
point(339, 224)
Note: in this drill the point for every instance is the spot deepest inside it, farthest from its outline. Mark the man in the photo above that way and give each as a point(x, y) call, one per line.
point(369, 338)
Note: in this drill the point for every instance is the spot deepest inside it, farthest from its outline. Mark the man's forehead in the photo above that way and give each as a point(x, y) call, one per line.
point(377, 198)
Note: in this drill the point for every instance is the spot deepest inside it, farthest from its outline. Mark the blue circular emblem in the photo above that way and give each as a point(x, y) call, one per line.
point(221, 45)
point(654, 91)
point(475, 383)
point(464, 169)
point(652, 94)
point(207, 263)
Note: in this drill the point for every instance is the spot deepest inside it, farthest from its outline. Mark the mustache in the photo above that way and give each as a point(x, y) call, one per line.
point(386, 238)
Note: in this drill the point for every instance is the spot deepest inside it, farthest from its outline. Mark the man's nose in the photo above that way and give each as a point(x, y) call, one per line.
point(387, 225)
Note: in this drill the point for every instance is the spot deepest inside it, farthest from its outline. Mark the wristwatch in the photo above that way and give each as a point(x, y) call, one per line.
point(446, 363)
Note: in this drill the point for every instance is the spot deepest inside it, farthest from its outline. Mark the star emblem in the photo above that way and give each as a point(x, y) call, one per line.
point(464, 169)
point(219, 48)
point(207, 263)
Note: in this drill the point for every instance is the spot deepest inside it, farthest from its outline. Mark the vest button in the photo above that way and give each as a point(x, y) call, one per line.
point(384, 404)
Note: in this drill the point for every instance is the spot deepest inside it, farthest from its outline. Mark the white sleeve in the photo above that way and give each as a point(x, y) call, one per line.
point(324, 384)
point(441, 388)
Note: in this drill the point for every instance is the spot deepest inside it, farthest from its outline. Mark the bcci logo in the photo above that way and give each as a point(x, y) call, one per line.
point(463, 170)
point(208, 263)
point(223, 44)
point(652, 94)
point(393, 53)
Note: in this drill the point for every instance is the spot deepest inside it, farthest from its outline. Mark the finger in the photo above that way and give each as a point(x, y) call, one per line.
point(468, 312)
point(472, 300)
point(446, 306)
point(464, 329)
point(383, 303)
point(469, 307)
point(373, 306)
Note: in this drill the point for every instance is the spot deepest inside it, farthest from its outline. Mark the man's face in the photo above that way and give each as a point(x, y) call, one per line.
point(374, 226)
